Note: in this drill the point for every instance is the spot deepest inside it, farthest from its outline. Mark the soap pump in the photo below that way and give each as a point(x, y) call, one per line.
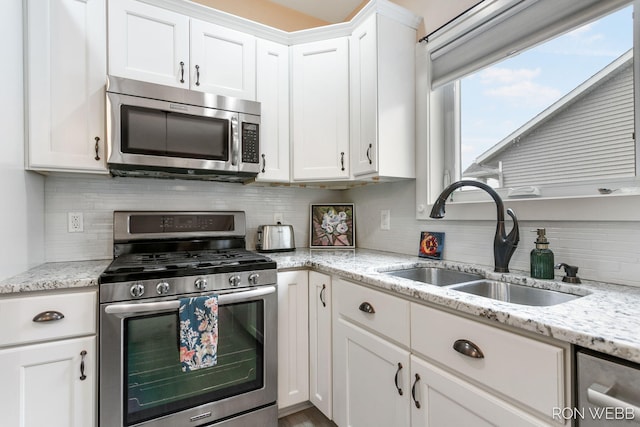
point(542, 257)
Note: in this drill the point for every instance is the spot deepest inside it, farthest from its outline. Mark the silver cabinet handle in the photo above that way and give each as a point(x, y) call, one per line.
point(324, 288)
point(369, 153)
point(468, 348)
point(181, 72)
point(598, 394)
point(264, 162)
point(83, 354)
point(342, 160)
point(48, 316)
point(97, 148)
point(367, 308)
point(197, 75)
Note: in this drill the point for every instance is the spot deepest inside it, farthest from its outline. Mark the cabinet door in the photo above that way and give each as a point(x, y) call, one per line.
point(223, 61)
point(320, 354)
point(42, 385)
point(371, 379)
point(440, 399)
point(65, 78)
point(293, 338)
point(320, 110)
point(382, 67)
point(148, 43)
point(272, 87)
point(364, 97)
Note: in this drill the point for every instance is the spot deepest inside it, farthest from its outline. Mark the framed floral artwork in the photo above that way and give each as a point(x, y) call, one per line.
point(431, 245)
point(332, 226)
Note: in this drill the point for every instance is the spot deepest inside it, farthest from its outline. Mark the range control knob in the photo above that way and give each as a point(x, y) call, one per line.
point(162, 288)
point(253, 278)
point(137, 290)
point(201, 284)
point(234, 280)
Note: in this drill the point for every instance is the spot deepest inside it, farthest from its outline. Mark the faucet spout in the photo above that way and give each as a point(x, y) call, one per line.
point(504, 245)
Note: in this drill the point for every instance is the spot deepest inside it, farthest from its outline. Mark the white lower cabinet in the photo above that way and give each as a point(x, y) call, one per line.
point(48, 360)
point(320, 346)
point(293, 338)
point(43, 385)
point(398, 363)
point(525, 372)
point(440, 399)
point(371, 379)
point(370, 357)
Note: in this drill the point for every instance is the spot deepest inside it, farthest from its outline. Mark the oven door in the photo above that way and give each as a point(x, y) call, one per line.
point(141, 381)
point(153, 133)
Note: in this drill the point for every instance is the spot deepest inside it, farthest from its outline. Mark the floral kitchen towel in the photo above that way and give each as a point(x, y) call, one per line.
point(198, 332)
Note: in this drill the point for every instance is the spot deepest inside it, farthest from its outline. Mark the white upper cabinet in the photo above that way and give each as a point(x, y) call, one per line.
point(272, 91)
point(320, 110)
point(157, 45)
point(382, 96)
point(65, 80)
point(148, 43)
point(223, 61)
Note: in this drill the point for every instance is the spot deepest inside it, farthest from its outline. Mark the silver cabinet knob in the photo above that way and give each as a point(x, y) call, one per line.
point(234, 280)
point(253, 278)
point(162, 288)
point(136, 290)
point(201, 284)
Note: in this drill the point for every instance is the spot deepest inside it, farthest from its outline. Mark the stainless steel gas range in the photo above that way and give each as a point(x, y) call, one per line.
point(161, 258)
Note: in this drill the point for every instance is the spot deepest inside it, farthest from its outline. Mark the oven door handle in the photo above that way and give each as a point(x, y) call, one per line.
point(229, 298)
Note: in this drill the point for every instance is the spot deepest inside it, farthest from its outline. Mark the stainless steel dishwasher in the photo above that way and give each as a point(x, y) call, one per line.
point(608, 391)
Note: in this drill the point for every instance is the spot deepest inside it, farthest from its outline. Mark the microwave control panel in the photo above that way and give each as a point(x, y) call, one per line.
point(250, 142)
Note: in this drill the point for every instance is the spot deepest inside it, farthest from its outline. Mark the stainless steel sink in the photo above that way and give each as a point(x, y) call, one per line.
point(516, 294)
point(435, 276)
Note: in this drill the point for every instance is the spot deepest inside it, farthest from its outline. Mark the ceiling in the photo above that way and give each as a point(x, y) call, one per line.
point(328, 10)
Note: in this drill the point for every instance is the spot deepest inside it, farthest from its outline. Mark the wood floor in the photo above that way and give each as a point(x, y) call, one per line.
point(310, 417)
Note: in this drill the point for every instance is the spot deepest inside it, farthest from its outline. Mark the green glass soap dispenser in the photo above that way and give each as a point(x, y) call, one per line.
point(542, 257)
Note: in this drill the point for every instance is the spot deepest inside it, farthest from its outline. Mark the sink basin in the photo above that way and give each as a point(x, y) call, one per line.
point(435, 276)
point(516, 294)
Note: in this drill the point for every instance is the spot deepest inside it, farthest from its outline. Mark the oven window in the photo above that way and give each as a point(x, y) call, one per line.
point(154, 382)
point(161, 133)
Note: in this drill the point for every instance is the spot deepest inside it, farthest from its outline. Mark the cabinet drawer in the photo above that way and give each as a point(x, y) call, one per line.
point(390, 316)
point(523, 369)
point(17, 314)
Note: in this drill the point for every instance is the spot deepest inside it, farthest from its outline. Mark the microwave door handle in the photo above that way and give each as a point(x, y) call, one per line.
point(235, 141)
point(233, 297)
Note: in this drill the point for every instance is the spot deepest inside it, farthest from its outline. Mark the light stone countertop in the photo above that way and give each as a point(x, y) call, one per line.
point(605, 319)
point(55, 275)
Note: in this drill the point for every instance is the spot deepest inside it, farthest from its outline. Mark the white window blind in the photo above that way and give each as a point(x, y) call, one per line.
point(495, 29)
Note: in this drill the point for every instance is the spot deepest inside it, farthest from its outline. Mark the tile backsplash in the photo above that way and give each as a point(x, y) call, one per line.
point(98, 197)
point(607, 251)
point(604, 251)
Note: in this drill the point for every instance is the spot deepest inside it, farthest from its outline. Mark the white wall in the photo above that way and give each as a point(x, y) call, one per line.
point(21, 192)
point(603, 250)
point(98, 197)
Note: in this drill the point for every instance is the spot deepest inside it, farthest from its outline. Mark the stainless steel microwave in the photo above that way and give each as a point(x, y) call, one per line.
point(161, 131)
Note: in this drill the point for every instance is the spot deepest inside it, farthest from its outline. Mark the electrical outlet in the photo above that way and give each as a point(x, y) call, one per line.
point(385, 219)
point(278, 218)
point(75, 222)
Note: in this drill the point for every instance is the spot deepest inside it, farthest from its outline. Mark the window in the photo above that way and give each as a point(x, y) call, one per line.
point(556, 118)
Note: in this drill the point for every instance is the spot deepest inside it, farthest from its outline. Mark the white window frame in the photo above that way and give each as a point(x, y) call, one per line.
point(438, 159)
